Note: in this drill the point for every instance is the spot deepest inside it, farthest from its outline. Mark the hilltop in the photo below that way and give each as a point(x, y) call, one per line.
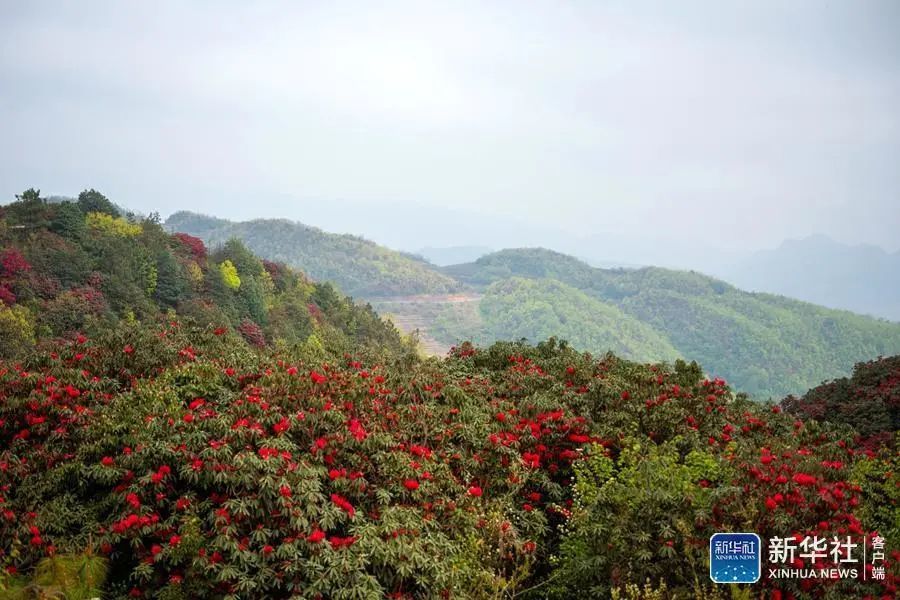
point(769, 345)
point(359, 267)
point(78, 267)
point(178, 421)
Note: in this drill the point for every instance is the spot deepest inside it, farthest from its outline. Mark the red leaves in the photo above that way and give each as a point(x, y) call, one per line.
point(12, 263)
point(193, 244)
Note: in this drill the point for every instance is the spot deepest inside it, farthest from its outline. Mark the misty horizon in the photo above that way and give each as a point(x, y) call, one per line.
point(708, 130)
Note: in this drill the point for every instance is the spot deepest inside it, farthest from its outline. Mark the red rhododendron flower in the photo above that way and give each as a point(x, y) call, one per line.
point(316, 536)
point(343, 504)
point(281, 426)
point(411, 484)
point(804, 479)
point(475, 491)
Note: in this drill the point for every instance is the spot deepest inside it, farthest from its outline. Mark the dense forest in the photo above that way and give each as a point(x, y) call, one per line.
point(536, 309)
point(767, 345)
point(183, 423)
point(357, 266)
point(82, 266)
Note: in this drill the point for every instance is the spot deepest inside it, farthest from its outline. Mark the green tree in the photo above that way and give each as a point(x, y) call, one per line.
point(93, 201)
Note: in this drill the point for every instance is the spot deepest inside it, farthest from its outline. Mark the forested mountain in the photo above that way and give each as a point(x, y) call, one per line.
point(869, 400)
point(359, 267)
point(70, 267)
point(536, 309)
point(864, 279)
point(770, 345)
point(184, 422)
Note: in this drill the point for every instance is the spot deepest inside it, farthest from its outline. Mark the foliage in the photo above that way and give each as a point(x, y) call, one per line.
point(536, 309)
point(229, 274)
point(16, 330)
point(92, 201)
point(359, 267)
point(869, 400)
point(69, 267)
point(200, 467)
point(110, 225)
point(769, 346)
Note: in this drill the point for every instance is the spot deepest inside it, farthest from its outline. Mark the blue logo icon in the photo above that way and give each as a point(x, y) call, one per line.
point(734, 558)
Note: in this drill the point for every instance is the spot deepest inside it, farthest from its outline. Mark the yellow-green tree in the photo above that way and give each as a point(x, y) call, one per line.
point(230, 274)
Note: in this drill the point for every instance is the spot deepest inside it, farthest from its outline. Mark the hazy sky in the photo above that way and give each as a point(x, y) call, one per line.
point(723, 124)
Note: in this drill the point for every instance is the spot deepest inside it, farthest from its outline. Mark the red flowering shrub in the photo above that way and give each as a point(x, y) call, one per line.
point(7, 297)
point(869, 401)
point(200, 468)
point(12, 263)
point(252, 332)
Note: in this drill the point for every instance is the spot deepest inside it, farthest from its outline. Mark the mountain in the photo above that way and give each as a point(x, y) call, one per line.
point(185, 422)
point(864, 278)
point(537, 309)
point(452, 255)
point(359, 267)
point(768, 345)
point(74, 268)
point(868, 400)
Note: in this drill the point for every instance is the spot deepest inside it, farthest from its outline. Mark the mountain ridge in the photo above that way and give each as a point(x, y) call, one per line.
point(769, 344)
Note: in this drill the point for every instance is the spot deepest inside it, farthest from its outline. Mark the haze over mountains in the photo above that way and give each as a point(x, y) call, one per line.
point(861, 278)
point(768, 345)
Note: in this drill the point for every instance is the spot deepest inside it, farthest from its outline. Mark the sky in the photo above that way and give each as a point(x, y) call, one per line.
point(688, 127)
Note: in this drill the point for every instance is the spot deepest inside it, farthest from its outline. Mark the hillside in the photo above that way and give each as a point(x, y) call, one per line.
point(70, 268)
point(177, 423)
point(864, 279)
point(868, 400)
point(537, 309)
point(768, 345)
point(507, 471)
point(357, 266)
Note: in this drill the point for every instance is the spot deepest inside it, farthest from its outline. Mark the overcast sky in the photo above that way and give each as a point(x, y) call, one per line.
point(731, 125)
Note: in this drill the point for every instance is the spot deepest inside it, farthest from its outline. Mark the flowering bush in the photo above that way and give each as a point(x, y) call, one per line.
point(197, 467)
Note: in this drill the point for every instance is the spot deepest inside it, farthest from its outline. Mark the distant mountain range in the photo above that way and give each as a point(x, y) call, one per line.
point(765, 344)
point(864, 278)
